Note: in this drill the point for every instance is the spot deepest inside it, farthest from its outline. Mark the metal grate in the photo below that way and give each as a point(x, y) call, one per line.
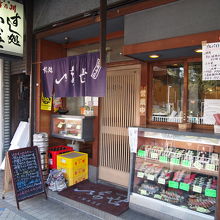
point(119, 110)
point(6, 105)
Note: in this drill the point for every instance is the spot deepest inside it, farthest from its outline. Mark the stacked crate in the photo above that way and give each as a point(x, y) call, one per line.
point(74, 166)
point(54, 151)
point(41, 141)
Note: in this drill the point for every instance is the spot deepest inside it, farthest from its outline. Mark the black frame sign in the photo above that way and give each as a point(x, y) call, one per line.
point(26, 173)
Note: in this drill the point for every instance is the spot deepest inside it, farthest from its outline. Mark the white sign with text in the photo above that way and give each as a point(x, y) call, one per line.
point(133, 139)
point(11, 28)
point(211, 61)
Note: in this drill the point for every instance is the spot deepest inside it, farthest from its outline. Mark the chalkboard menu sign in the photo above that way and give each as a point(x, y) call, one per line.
point(26, 173)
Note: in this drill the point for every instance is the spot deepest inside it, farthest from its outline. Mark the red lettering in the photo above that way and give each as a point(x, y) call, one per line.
point(13, 7)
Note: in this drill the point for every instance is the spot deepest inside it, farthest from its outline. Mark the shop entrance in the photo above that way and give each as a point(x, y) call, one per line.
point(119, 110)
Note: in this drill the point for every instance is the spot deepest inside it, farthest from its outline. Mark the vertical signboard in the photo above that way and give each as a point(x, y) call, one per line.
point(11, 28)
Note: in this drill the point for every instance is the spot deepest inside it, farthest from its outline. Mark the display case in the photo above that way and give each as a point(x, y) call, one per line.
point(174, 175)
point(72, 127)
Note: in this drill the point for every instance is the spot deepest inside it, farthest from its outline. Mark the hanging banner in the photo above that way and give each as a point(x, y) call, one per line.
point(211, 61)
point(74, 76)
point(46, 103)
point(11, 28)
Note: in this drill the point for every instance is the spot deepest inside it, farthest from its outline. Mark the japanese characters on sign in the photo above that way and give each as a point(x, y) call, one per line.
point(11, 28)
point(74, 76)
point(211, 61)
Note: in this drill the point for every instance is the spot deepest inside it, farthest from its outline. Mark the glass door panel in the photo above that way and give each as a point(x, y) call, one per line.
point(167, 93)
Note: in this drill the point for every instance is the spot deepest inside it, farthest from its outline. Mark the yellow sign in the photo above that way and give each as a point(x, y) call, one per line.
point(46, 103)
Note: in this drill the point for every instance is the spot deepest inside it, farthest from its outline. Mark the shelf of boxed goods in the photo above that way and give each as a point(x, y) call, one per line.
point(179, 167)
point(154, 182)
point(185, 140)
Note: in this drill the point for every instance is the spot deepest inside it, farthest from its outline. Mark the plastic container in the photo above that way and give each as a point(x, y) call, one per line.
point(72, 160)
point(54, 151)
point(74, 166)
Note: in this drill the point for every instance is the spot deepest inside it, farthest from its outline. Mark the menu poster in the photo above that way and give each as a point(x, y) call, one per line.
point(211, 107)
point(26, 173)
point(133, 139)
point(211, 61)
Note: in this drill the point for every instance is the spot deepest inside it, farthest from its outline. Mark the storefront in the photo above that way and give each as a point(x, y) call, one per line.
point(157, 94)
point(172, 175)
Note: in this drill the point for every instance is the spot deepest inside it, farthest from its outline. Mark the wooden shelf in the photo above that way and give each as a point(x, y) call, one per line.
point(180, 167)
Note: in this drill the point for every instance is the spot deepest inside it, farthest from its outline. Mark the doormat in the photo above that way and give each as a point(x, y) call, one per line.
point(102, 197)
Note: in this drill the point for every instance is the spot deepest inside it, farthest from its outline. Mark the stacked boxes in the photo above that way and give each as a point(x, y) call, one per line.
point(74, 166)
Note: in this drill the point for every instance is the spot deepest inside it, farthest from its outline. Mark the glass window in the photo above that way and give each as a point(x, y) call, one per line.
point(167, 92)
point(203, 96)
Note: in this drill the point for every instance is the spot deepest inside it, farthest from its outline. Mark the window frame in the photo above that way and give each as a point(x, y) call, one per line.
point(185, 63)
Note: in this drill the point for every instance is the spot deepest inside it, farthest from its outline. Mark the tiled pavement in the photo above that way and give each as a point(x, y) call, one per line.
point(55, 207)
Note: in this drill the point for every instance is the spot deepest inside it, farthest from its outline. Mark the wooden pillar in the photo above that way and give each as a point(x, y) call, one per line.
point(103, 6)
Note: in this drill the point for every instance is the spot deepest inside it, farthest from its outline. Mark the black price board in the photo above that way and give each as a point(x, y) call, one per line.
point(26, 173)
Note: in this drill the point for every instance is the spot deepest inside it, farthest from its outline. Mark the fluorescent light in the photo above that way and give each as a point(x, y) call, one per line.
point(199, 50)
point(154, 56)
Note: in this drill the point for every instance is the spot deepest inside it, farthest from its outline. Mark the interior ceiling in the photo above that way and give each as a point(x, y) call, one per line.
point(117, 24)
point(90, 31)
point(168, 54)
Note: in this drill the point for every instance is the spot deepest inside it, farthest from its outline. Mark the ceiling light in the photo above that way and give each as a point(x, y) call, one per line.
point(199, 50)
point(154, 56)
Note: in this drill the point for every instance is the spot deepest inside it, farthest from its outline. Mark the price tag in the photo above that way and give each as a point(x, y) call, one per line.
point(154, 155)
point(198, 165)
point(157, 196)
point(150, 177)
point(210, 167)
point(186, 163)
point(184, 186)
point(163, 159)
point(141, 153)
point(211, 193)
point(175, 161)
point(140, 174)
point(68, 125)
point(143, 192)
point(161, 181)
point(78, 127)
point(60, 125)
point(197, 189)
point(173, 184)
point(201, 209)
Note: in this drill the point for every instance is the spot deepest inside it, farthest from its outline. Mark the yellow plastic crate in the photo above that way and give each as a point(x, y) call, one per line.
point(72, 160)
point(74, 172)
point(72, 181)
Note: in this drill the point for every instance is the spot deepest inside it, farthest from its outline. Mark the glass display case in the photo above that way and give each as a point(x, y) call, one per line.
point(72, 127)
point(175, 174)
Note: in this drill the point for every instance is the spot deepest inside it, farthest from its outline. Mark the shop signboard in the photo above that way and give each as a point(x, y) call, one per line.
point(11, 28)
point(211, 61)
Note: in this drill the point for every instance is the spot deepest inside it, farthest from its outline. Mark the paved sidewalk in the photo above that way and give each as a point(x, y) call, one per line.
point(55, 208)
point(38, 208)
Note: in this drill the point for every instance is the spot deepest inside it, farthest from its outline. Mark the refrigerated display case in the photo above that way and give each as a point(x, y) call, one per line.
point(79, 128)
point(175, 174)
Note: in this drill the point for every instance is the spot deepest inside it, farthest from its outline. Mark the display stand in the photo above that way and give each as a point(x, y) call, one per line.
point(171, 196)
